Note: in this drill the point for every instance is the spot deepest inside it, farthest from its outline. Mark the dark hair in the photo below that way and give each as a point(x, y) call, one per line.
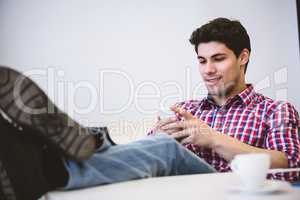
point(230, 32)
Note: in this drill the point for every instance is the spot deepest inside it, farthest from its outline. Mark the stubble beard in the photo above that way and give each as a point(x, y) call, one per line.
point(224, 90)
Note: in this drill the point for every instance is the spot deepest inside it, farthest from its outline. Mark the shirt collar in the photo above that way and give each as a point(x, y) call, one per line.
point(245, 96)
point(248, 94)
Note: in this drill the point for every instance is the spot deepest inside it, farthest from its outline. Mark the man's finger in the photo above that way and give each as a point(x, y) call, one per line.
point(180, 134)
point(185, 114)
point(172, 131)
point(186, 140)
point(166, 121)
point(180, 124)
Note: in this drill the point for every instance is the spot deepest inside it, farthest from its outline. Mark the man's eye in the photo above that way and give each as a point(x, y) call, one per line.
point(202, 61)
point(219, 58)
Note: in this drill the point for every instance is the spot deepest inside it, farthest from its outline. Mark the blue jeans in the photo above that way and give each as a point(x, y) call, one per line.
point(158, 155)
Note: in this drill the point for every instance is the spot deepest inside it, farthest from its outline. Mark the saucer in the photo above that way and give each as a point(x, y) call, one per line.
point(270, 186)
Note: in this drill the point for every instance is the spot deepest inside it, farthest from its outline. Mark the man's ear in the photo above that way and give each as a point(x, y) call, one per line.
point(244, 56)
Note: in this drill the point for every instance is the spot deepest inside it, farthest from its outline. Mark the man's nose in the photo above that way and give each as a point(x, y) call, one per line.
point(210, 68)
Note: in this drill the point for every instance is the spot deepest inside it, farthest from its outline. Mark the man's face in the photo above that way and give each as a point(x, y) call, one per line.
point(220, 69)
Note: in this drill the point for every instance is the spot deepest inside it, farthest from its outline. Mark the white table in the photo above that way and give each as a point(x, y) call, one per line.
point(200, 186)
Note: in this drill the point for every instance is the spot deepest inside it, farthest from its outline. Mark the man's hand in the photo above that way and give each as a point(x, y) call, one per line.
point(197, 132)
point(162, 123)
point(193, 130)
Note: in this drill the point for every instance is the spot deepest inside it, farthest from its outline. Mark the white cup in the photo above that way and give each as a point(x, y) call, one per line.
point(251, 168)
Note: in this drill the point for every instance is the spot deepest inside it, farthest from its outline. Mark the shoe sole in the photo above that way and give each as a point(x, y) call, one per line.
point(27, 105)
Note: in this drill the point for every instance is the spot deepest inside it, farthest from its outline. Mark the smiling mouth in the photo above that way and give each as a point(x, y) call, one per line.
point(213, 81)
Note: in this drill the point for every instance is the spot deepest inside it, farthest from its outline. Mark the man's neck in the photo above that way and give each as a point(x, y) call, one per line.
point(221, 100)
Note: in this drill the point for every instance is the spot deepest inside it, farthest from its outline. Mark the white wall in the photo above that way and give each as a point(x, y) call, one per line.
point(145, 46)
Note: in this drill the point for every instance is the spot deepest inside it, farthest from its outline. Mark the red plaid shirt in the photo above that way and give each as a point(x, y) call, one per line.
point(252, 119)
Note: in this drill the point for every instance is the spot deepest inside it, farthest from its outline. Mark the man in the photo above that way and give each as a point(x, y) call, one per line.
point(233, 119)
point(40, 151)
